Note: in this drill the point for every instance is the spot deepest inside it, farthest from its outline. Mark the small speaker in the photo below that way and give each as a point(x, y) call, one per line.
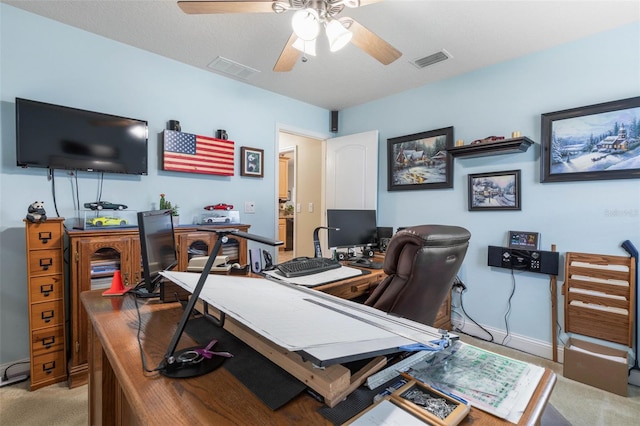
point(342, 256)
point(255, 257)
point(334, 121)
point(383, 243)
point(367, 252)
point(174, 125)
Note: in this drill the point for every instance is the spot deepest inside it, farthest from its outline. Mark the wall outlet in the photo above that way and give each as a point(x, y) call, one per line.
point(310, 207)
point(249, 206)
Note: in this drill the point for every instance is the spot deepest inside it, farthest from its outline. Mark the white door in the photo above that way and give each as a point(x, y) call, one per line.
point(351, 173)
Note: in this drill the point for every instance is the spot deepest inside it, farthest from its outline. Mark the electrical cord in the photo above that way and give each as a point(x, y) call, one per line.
point(464, 288)
point(5, 375)
point(506, 337)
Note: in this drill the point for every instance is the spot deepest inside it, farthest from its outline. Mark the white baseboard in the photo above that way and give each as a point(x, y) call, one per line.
point(514, 341)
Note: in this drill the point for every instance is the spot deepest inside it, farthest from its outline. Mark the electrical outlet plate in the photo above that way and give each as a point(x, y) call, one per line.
point(249, 207)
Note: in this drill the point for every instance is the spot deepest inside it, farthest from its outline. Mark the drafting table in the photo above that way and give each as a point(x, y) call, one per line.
point(121, 393)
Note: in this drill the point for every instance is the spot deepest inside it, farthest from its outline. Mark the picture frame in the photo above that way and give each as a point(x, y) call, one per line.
point(251, 162)
point(494, 191)
point(595, 142)
point(524, 240)
point(420, 161)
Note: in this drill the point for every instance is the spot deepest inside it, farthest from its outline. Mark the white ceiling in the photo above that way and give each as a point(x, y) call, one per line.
point(477, 33)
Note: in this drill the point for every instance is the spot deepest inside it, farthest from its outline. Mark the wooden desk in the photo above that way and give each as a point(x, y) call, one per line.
point(121, 393)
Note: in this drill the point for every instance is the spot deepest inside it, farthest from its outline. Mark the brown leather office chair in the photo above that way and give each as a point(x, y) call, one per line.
point(421, 263)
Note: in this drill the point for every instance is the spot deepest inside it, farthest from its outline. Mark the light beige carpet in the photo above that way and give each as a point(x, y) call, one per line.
point(51, 406)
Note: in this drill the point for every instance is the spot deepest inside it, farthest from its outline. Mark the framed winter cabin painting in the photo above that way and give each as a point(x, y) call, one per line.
point(420, 161)
point(595, 142)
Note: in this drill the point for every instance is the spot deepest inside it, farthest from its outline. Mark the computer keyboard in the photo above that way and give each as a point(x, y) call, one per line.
point(306, 266)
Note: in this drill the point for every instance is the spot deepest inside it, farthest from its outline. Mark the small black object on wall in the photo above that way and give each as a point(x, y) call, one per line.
point(174, 125)
point(334, 121)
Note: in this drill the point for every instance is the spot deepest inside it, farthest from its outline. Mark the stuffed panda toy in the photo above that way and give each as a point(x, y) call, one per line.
point(36, 213)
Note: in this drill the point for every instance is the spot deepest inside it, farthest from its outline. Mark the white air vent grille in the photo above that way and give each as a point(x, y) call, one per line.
point(232, 68)
point(440, 56)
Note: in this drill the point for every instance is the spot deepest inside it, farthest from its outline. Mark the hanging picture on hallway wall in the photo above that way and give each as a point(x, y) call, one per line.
point(251, 162)
point(494, 191)
point(420, 161)
point(595, 142)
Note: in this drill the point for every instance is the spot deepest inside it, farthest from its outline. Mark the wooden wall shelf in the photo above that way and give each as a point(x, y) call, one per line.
point(505, 146)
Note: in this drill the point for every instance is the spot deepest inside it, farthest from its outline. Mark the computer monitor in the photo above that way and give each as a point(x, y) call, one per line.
point(158, 249)
point(357, 228)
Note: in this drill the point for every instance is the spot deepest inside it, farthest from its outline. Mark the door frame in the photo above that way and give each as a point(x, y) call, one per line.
point(322, 138)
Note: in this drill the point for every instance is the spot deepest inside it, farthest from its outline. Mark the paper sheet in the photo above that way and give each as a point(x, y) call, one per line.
point(297, 318)
point(596, 293)
point(493, 383)
point(312, 280)
point(611, 309)
point(622, 268)
point(599, 355)
point(388, 414)
point(600, 280)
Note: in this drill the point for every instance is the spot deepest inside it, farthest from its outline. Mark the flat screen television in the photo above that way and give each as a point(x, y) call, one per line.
point(357, 228)
point(158, 249)
point(59, 137)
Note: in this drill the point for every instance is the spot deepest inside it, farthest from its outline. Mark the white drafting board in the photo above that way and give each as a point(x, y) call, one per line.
point(299, 319)
point(312, 280)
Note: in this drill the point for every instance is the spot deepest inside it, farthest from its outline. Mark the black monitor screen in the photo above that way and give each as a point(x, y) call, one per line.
point(357, 228)
point(157, 245)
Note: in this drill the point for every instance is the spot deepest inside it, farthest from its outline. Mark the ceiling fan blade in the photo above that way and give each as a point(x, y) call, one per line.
point(371, 43)
point(225, 6)
point(288, 57)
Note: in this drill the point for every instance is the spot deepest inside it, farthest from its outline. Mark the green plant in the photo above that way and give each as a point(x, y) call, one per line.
point(166, 205)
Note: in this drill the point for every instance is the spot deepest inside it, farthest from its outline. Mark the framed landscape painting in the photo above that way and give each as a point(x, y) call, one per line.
point(595, 142)
point(420, 161)
point(494, 191)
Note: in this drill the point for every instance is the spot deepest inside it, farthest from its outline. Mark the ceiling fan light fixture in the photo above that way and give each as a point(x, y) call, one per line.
point(306, 24)
point(338, 35)
point(307, 47)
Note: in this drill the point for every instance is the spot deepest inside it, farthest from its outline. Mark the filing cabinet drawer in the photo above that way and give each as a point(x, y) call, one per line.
point(48, 366)
point(45, 235)
point(46, 340)
point(45, 262)
point(47, 314)
point(46, 288)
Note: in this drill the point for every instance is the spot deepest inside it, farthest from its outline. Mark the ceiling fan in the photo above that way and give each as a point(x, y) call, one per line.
point(307, 20)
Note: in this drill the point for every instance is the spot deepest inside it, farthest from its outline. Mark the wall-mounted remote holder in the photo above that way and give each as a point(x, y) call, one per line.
point(544, 262)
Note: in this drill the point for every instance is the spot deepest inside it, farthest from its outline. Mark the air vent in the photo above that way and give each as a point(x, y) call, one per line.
point(232, 68)
point(440, 56)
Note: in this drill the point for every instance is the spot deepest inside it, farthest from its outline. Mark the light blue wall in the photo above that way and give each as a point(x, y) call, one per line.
point(590, 216)
point(47, 61)
point(44, 60)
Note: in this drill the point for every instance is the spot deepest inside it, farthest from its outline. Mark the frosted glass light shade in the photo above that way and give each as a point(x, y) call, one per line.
point(338, 35)
point(307, 47)
point(306, 24)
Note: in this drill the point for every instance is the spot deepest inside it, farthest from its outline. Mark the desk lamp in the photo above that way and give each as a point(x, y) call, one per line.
point(185, 363)
point(316, 240)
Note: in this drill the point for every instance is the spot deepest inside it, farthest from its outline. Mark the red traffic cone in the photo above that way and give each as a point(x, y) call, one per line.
point(117, 288)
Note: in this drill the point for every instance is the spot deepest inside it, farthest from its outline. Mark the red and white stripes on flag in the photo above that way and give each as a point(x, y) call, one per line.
point(185, 152)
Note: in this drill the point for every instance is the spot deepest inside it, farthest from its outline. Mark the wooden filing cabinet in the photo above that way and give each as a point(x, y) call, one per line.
point(96, 254)
point(45, 281)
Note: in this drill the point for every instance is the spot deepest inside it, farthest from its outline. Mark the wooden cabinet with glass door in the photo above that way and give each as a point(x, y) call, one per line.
point(96, 254)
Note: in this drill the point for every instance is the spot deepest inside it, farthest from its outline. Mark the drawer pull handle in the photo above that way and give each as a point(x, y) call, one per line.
point(46, 262)
point(46, 289)
point(47, 315)
point(47, 342)
point(48, 367)
point(44, 237)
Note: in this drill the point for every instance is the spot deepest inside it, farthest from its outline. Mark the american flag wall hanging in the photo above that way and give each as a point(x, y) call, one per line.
point(185, 152)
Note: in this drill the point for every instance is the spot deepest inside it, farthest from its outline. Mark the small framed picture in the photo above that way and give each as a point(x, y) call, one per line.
point(251, 162)
point(495, 191)
point(524, 240)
